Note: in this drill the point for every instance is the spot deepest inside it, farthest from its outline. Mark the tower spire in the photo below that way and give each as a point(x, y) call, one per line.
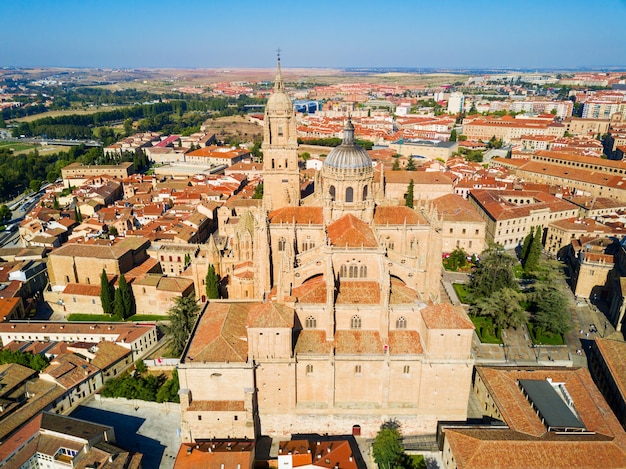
point(278, 83)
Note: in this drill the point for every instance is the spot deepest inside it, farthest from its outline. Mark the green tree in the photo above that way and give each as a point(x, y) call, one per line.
point(140, 366)
point(533, 256)
point(305, 156)
point(182, 317)
point(123, 302)
point(387, 447)
point(408, 197)
point(128, 126)
point(107, 293)
point(118, 305)
point(212, 282)
point(396, 165)
point(457, 259)
point(55, 203)
point(5, 213)
point(169, 391)
point(410, 165)
point(503, 306)
point(258, 191)
point(453, 135)
point(494, 271)
point(34, 185)
point(552, 313)
point(77, 215)
point(526, 245)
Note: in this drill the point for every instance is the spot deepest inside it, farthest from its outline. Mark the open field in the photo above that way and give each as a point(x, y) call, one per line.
point(234, 126)
point(67, 112)
point(16, 146)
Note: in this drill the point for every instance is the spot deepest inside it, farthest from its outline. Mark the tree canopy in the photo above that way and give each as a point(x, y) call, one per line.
point(212, 282)
point(387, 447)
point(107, 293)
point(408, 197)
point(182, 317)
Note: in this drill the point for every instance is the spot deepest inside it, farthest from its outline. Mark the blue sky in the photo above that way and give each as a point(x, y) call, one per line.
point(325, 33)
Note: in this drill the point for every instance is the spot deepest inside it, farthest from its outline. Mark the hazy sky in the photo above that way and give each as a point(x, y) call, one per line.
point(325, 33)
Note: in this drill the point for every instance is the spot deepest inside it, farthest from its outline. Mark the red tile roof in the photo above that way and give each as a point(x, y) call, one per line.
point(446, 316)
point(299, 215)
point(349, 231)
point(385, 215)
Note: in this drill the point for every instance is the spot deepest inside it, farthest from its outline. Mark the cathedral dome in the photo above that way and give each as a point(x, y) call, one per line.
point(348, 155)
point(279, 103)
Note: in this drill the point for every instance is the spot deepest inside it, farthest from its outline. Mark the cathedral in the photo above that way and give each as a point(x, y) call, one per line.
point(333, 320)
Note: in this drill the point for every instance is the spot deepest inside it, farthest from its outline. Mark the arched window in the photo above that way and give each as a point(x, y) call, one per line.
point(331, 191)
point(309, 369)
point(357, 370)
point(349, 194)
point(354, 270)
point(280, 130)
point(343, 271)
point(401, 323)
point(365, 192)
point(406, 370)
point(311, 322)
point(273, 163)
point(363, 271)
point(355, 322)
point(281, 244)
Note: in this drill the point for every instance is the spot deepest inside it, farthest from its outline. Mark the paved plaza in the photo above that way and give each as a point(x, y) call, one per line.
point(147, 427)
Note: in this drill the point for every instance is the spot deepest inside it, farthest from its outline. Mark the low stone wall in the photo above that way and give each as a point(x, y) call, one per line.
point(137, 403)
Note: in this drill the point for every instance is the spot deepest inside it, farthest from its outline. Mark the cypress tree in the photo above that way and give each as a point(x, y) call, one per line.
point(212, 284)
point(410, 166)
point(128, 303)
point(408, 198)
point(118, 305)
point(106, 294)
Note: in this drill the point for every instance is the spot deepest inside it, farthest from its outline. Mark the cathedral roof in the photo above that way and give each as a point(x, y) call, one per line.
point(398, 216)
point(357, 341)
point(270, 315)
point(311, 291)
point(299, 215)
point(221, 334)
point(400, 293)
point(350, 231)
point(353, 292)
point(348, 155)
point(403, 342)
point(446, 316)
point(313, 341)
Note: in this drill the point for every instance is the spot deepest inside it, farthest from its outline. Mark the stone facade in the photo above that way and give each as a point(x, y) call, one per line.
point(345, 326)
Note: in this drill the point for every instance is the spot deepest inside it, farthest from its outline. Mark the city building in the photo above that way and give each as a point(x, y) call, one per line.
point(535, 418)
point(341, 324)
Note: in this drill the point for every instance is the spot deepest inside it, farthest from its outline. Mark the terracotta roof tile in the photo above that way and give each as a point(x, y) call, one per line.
point(311, 291)
point(403, 342)
point(385, 215)
point(270, 314)
point(446, 316)
point(352, 292)
point(349, 231)
point(313, 341)
point(357, 342)
point(299, 215)
point(221, 334)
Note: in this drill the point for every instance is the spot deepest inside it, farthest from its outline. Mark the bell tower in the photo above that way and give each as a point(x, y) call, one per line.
point(281, 176)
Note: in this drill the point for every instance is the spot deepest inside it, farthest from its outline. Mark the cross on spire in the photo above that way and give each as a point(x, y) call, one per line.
point(278, 84)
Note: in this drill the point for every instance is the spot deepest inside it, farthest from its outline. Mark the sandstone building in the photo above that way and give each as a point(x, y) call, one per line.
point(333, 318)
